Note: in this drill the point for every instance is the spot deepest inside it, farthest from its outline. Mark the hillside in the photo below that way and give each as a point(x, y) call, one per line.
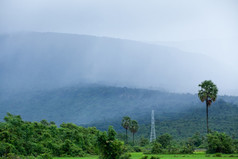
point(84, 104)
point(95, 105)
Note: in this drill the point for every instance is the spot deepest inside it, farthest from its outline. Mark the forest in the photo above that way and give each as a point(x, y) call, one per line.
point(46, 140)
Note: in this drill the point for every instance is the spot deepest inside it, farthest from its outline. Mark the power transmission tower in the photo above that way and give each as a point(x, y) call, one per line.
point(152, 133)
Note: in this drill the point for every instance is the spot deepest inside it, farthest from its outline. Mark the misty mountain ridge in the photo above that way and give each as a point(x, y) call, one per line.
point(101, 106)
point(31, 61)
point(83, 79)
point(89, 103)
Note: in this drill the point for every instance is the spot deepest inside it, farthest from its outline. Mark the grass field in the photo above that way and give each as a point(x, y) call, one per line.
point(168, 156)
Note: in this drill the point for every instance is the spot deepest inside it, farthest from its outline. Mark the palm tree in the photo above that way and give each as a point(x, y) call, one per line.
point(207, 93)
point(134, 128)
point(126, 122)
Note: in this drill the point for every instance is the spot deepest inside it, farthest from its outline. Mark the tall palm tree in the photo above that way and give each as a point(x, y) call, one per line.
point(207, 93)
point(134, 128)
point(126, 122)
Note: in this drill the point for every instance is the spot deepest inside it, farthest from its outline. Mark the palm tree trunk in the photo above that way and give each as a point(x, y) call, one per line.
point(126, 135)
point(207, 116)
point(133, 138)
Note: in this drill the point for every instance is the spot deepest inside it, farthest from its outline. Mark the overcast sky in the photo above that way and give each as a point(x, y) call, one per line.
point(204, 26)
point(150, 20)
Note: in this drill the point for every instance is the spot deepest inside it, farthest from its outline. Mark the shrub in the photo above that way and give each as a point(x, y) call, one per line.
point(12, 156)
point(147, 152)
point(125, 156)
point(128, 148)
point(217, 155)
point(70, 149)
point(172, 149)
point(45, 156)
point(144, 157)
point(137, 149)
point(195, 140)
point(144, 141)
point(109, 146)
point(236, 145)
point(164, 140)
point(188, 149)
point(219, 143)
point(154, 157)
point(157, 148)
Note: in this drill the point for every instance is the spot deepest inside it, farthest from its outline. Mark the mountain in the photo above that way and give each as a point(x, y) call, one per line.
point(97, 105)
point(89, 103)
point(39, 61)
point(95, 81)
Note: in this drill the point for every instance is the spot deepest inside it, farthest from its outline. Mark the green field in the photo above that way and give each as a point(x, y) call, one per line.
point(167, 156)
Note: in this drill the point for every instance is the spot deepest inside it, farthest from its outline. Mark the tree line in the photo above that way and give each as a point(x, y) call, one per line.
point(45, 138)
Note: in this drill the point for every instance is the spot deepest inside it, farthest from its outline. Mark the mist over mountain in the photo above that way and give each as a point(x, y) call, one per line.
point(96, 105)
point(95, 81)
point(38, 61)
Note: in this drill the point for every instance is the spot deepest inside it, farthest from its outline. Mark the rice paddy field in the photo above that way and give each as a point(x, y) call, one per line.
point(168, 156)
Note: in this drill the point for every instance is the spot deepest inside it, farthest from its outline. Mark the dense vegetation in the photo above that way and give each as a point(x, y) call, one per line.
point(181, 115)
point(85, 104)
point(36, 138)
point(182, 125)
point(45, 139)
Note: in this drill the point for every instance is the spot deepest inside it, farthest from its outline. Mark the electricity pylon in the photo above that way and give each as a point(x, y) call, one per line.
point(152, 133)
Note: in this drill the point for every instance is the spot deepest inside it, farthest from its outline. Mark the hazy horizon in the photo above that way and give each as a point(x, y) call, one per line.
point(203, 27)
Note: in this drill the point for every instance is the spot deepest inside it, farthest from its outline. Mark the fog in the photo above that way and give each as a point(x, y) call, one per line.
point(200, 38)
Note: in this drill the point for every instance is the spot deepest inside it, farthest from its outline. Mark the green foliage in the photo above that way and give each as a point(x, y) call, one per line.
point(144, 157)
point(134, 126)
point(125, 156)
point(137, 149)
point(173, 149)
point(208, 91)
point(45, 138)
point(219, 143)
point(45, 156)
point(109, 146)
point(217, 155)
point(195, 140)
point(236, 145)
point(6, 148)
point(128, 148)
point(187, 149)
point(164, 140)
point(143, 141)
point(183, 125)
point(154, 157)
point(12, 156)
point(156, 148)
point(126, 121)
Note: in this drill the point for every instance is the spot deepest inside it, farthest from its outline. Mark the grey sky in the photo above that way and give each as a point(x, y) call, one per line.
point(151, 20)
